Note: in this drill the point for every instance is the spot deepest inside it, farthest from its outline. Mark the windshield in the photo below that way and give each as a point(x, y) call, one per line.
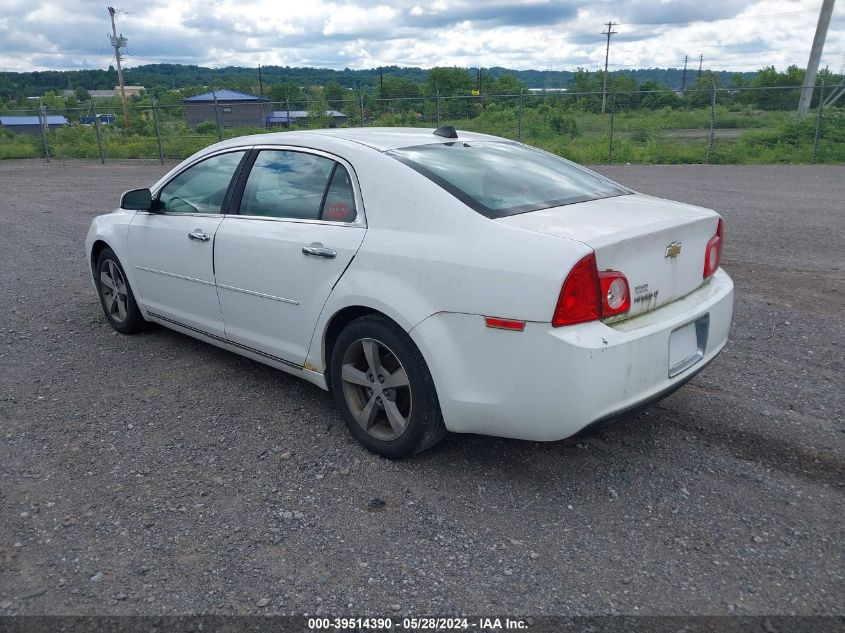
point(498, 179)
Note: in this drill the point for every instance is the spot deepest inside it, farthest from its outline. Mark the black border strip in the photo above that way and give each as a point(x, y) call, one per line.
point(226, 340)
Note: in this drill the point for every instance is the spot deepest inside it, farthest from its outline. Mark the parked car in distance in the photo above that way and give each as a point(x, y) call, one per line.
point(432, 282)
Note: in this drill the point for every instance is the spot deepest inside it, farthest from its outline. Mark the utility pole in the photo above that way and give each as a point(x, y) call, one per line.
point(608, 32)
point(684, 80)
point(815, 56)
point(260, 82)
point(700, 62)
point(118, 43)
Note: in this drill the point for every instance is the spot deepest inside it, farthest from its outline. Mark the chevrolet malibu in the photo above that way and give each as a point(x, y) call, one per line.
point(432, 281)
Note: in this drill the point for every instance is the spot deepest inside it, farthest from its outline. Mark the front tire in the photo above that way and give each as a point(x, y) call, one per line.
point(384, 390)
point(116, 295)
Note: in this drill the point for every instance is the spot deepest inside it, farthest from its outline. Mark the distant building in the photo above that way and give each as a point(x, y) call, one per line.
point(234, 109)
point(90, 119)
point(107, 94)
point(130, 91)
point(280, 118)
point(31, 124)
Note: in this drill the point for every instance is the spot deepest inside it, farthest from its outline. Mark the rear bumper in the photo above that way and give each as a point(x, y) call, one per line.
point(551, 383)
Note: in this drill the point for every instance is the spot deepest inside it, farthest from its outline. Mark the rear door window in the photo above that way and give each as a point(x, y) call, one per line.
point(339, 205)
point(287, 184)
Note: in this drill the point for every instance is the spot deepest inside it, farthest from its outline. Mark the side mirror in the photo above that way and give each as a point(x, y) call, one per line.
point(137, 200)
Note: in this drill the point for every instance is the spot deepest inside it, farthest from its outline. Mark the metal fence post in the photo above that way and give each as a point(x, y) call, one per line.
point(610, 131)
point(712, 124)
point(519, 116)
point(818, 124)
point(437, 103)
point(362, 108)
point(216, 114)
point(42, 119)
point(99, 139)
point(158, 132)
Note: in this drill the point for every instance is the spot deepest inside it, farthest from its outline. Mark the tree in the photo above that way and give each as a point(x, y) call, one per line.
point(53, 102)
point(654, 96)
point(585, 81)
point(400, 87)
point(507, 84)
point(279, 93)
point(588, 87)
point(334, 92)
point(700, 94)
point(448, 81)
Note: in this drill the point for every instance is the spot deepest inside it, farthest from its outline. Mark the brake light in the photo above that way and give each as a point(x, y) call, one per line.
point(713, 252)
point(579, 298)
point(615, 295)
point(588, 295)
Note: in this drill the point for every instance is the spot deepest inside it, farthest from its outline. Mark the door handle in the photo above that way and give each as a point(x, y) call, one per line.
point(318, 250)
point(197, 234)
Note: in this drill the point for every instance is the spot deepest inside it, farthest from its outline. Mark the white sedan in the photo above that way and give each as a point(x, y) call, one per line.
point(432, 282)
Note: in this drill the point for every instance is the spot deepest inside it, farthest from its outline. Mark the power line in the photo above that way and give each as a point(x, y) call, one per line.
point(118, 43)
point(609, 32)
point(815, 56)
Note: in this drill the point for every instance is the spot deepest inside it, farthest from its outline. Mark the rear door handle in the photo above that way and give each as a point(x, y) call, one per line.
point(197, 234)
point(318, 250)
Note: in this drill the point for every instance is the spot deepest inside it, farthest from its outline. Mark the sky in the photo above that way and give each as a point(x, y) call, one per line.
point(732, 35)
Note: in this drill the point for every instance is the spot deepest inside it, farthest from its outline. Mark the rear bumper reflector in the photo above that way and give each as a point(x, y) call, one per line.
point(504, 324)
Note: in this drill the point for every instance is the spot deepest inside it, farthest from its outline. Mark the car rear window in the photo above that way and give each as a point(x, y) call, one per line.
point(498, 179)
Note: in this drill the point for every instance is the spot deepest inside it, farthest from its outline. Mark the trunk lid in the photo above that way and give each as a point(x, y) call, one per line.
point(657, 244)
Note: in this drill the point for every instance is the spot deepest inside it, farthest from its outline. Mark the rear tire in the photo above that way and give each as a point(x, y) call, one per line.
point(116, 295)
point(384, 390)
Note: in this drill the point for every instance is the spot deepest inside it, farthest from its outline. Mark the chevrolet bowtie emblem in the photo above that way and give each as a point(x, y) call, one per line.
point(673, 250)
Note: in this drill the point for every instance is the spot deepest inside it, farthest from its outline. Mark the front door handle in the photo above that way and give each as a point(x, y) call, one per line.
point(197, 234)
point(318, 250)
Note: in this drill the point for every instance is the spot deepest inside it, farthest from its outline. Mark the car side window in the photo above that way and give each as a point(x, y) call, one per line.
point(202, 187)
point(290, 184)
point(339, 205)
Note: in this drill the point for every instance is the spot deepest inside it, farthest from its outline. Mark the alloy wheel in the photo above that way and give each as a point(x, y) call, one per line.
point(113, 289)
point(376, 389)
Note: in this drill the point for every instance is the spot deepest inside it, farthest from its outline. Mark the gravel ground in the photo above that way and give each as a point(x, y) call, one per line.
point(156, 474)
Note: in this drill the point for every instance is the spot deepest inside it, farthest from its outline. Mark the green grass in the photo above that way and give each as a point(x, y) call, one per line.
point(664, 136)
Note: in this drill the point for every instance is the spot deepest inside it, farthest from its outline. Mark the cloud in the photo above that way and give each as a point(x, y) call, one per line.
point(351, 20)
point(558, 34)
point(492, 13)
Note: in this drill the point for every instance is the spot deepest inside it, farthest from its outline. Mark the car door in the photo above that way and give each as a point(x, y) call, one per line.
point(298, 226)
point(172, 248)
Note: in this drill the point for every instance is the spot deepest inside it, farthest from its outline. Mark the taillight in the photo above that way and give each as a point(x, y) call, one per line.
point(579, 299)
point(588, 294)
point(713, 252)
point(615, 295)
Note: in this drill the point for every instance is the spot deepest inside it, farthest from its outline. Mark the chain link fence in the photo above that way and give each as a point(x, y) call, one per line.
point(719, 125)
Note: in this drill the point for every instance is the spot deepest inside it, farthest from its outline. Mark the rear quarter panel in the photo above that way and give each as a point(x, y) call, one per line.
point(426, 252)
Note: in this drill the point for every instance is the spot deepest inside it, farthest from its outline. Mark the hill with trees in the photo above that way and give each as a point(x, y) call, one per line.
point(161, 77)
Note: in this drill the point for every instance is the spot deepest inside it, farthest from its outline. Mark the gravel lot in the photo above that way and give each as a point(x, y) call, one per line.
point(156, 474)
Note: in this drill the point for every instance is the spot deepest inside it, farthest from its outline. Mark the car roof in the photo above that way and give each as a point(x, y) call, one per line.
point(379, 138)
